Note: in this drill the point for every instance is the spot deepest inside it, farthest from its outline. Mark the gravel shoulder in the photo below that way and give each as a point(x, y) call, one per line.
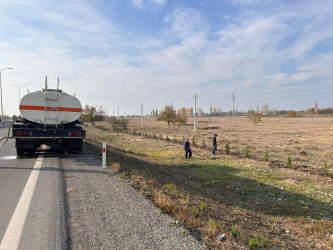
point(106, 212)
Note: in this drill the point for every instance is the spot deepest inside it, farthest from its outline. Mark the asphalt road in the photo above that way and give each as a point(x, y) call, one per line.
point(32, 211)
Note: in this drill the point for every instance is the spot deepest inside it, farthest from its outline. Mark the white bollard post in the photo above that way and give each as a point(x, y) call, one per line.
point(104, 155)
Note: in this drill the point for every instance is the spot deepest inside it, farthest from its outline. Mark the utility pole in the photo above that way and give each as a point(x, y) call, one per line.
point(141, 114)
point(106, 115)
point(233, 96)
point(195, 111)
point(118, 111)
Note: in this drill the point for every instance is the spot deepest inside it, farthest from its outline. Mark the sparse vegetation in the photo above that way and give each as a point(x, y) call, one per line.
point(256, 197)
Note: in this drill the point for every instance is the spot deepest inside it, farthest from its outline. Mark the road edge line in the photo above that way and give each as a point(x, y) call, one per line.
point(14, 230)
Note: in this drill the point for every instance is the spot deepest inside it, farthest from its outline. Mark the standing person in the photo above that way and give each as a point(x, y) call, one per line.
point(214, 144)
point(187, 149)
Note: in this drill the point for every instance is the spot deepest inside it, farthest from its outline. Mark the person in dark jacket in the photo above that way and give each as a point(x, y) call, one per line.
point(187, 149)
point(214, 144)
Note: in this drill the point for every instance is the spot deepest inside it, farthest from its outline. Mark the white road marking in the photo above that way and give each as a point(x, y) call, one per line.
point(14, 230)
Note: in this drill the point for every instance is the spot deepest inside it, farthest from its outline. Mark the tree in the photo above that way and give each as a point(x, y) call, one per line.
point(255, 117)
point(168, 114)
point(92, 114)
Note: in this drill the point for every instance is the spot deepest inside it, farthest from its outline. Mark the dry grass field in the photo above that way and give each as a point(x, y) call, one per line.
point(255, 203)
point(307, 141)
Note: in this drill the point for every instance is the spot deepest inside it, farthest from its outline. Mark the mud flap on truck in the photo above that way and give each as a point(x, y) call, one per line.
point(73, 145)
point(25, 147)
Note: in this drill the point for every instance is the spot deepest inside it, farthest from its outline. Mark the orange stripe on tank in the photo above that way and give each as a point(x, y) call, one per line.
point(42, 108)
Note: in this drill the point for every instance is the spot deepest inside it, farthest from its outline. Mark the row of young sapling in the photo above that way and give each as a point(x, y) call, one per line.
point(246, 152)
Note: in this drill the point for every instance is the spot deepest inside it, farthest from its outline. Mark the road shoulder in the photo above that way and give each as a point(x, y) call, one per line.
point(105, 212)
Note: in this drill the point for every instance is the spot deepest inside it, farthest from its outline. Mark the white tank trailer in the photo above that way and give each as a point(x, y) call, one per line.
point(49, 117)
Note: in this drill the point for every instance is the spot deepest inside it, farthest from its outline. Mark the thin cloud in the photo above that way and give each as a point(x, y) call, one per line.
point(149, 4)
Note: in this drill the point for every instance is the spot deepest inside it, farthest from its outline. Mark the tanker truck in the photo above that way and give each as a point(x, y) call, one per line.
point(48, 117)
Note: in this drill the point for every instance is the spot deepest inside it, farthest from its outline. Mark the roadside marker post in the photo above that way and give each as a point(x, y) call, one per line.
point(104, 155)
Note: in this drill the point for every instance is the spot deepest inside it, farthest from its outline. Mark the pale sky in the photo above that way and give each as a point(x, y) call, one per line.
point(118, 53)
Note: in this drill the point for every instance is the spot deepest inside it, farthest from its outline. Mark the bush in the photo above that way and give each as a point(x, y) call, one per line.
point(119, 123)
point(254, 243)
point(234, 232)
point(213, 224)
point(195, 212)
point(193, 141)
point(264, 242)
point(227, 148)
point(291, 113)
point(326, 168)
point(247, 151)
point(174, 138)
point(289, 164)
point(204, 145)
point(172, 188)
point(167, 138)
point(266, 157)
point(202, 207)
